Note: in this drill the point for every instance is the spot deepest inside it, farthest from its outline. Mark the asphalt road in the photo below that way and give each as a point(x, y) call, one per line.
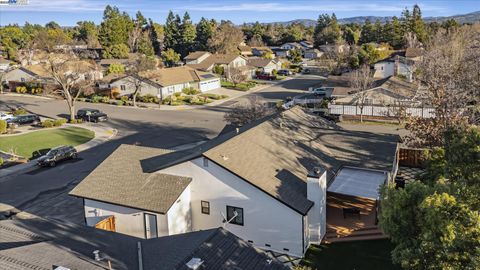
point(43, 191)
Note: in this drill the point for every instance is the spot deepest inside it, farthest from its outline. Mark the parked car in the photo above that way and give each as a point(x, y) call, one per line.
point(319, 91)
point(91, 115)
point(24, 119)
point(5, 116)
point(284, 72)
point(56, 155)
point(306, 71)
point(266, 76)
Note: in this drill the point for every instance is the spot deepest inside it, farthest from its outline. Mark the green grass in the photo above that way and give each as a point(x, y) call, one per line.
point(357, 255)
point(25, 145)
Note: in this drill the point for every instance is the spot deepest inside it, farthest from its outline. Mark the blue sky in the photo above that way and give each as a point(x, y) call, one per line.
point(68, 12)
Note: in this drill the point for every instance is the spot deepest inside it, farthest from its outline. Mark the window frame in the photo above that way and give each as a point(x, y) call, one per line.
point(207, 212)
point(234, 221)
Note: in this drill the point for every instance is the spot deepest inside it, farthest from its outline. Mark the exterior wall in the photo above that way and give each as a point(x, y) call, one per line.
point(208, 85)
point(266, 220)
point(238, 62)
point(317, 216)
point(169, 90)
point(4, 67)
point(198, 60)
point(128, 221)
point(130, 87)
point(179, 216)
point(384, 69)
point(18, 75)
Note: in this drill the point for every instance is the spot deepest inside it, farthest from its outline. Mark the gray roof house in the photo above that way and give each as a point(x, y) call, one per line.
point(264, 182)
point(44, 244)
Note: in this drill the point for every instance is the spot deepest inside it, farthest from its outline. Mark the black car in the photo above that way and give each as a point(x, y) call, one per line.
point(56, 155)
point(91, 115)
point(24, 119)
point(284, 72)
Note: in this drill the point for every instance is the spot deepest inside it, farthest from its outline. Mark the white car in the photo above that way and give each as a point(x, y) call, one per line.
point(5, 116)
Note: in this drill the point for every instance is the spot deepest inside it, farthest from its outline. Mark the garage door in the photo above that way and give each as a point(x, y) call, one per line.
point(209, 85)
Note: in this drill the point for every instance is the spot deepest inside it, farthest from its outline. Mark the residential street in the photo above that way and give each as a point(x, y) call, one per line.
point(43, 191)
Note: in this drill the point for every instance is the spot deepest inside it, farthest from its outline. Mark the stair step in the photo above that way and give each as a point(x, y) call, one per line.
point(354, 238)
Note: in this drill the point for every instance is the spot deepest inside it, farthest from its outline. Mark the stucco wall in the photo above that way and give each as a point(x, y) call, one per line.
point(179, 216)
point(130, 87)
point(384, 69)
point(16, 75)
point(266, 220)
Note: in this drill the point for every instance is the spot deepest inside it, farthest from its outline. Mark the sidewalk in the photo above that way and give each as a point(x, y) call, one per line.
point(102, 135)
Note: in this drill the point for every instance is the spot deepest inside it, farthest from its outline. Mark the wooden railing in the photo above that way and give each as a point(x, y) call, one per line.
point(410, 157)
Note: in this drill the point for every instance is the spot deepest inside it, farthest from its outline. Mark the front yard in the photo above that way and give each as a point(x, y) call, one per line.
point(358, 255)
point(25, 145)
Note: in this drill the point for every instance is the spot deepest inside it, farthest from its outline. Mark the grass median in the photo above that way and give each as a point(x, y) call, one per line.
point(25, 145)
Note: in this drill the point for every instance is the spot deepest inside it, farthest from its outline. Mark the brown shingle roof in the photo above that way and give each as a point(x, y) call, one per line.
point(276, 154)
point(400, 87)
point(195, 55)
point(413, 52)
point(259, 62)
point(214, 59)
point(120, 180)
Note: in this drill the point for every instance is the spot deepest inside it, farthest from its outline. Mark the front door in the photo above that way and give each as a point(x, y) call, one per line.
point(150, 226)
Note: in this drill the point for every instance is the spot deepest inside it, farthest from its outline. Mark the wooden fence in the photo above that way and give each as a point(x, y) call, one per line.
point(410, 157)
point(382, 111)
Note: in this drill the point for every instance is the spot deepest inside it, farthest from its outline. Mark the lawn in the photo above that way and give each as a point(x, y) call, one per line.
point(357, 255)
point(24, 145)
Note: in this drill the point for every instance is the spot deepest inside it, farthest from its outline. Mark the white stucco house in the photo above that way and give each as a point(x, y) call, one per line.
point(165, 82)
point(394, 66)
point(265, 65)
point(265, 182)
point(205, 61)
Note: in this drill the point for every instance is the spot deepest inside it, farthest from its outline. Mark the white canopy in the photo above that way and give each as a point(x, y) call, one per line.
point(358, 182)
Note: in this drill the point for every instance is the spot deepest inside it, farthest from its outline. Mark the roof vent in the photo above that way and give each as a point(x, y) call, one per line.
point(237, 130)
point(194, 263)
point(96, 254)
point(224, 157)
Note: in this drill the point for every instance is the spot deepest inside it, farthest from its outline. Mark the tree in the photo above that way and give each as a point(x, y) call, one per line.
point(295, 56)
point(2, 76)
point(226, 38)
point(135, 73)
point(144, 45)
point(52, 25)
point(236, 75)
point(187, 36)
point(244, 114)
point(204, 29)
point(172, 31)
point(368, 32)
point(360, 81)
point(170, 57)
point(137, 31)
point(156, 32)
point(87, 32)
point(327, 31)
point(73, 78)
point(116, 69)
point(450, 72)
point(119, 51)
point(115, 27)
point(351, 36)
point(368, 54)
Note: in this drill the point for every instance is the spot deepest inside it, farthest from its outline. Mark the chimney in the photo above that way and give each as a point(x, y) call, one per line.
point(317, 193)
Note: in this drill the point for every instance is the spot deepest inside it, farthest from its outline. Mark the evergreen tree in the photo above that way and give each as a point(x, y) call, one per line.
point(204, 31)
point(418, 25)
point(378, 32)
point(188, 35)
point(115, 28)
point(156, 36)
point(145, 45)
point(396, 35)
point(368, 32)
point(171, 31)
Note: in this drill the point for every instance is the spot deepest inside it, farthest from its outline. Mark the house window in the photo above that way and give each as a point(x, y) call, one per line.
point(22, 79)
point(205, 162)
point(235, 215)
point(122, 87)
point(205, 207)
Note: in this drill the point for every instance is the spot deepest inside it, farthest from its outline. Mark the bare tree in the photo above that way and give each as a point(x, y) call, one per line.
point(236, 75)
point(73, 77)
point(360, 81)
point(2, 77)
point(254, 110)
point(411, 40)
point(226, 38)
point(135, 75)
point(451, 74)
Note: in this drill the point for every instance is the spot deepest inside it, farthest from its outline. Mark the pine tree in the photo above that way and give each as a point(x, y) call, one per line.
point(156, 36)
point(188, 35)
point(204, 33)
point(115, 28)
point(418, 25)
point(172, 28)
point(368, 34)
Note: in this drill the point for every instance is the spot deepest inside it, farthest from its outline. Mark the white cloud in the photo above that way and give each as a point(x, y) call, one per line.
point(58, 6)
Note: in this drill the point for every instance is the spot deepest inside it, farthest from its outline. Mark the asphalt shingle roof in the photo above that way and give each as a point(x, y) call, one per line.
point(120, 180)
point(72, 246)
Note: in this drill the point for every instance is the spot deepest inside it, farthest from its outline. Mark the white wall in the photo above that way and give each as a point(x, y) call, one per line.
point(317, 216)
point(384, 69)
point(17, 75)
point(179, 215)
point(128, 221)
point(266, 220)
point(130, 87)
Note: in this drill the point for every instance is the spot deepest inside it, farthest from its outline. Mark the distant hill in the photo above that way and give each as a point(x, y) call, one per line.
point(464, 18)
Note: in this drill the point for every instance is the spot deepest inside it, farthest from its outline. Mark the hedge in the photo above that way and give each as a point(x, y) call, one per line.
point(3, 126)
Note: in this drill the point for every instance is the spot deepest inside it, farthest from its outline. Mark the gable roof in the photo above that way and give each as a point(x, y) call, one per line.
point(259, 62)
point(276, 154)
point(119, 179)
point(413, 52)
point(244, 48)
point(195, 55)
point(399, 87)
point(72, 246)
point(215, 59)
point(174, 75)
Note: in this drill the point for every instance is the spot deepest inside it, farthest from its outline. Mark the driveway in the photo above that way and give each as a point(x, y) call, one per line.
point(44, 191)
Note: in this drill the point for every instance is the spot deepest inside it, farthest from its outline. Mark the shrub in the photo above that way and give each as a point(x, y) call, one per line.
point(82, 99)
point(124, 98)
point(214, 96)
point(148, 98)
point(76, 121)
point(177, 94)
point(167, 100)
point(3, 126)
point(274, 72)
point(105, 99)
point(1, 161)
point(21, 89)
point(242, 87)
point(36, 91)
point(120, 102)
point(19, 112)
point(59, 122)
point(95, 99)
point(48, 123)
point(190, 91)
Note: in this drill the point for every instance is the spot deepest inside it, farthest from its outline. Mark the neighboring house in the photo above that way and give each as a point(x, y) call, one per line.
point(306, 44)
point(337, 86)
point(291, 46)
point(196, 57)
point(166, 81)
point(312, 53)
point(395, 66)
point(265, 182)
point(105, 63)
point(279, 52)
point(261, 51)
point(4, 64)
point(245, 50)
point(264, 65)
point(45, 244)
point(390, 91)
point(415, 54)
point(329, 49)
point(34, 73)
point(206, 62)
